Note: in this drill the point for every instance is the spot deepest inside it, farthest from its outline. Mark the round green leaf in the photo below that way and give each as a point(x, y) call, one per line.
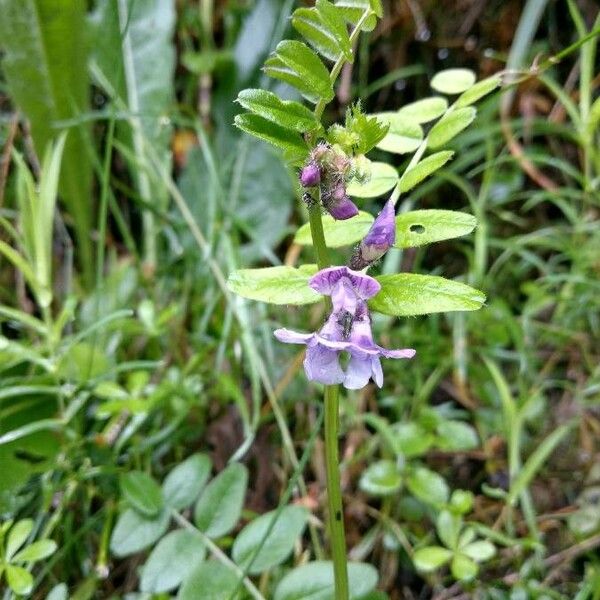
point(479, 551)
point(36, 551)
point(184, 483)
point(420, 227)
point(142, 493)
point(450, 125)
point(448, 528)
point(315, 580)
point(403, 135)
point(410, 439)
point(264, 543)
point(172, 560)
point(383, 178)
point(381, 478)
point(431, 558)
point(134, 532)
point(428, 486)
point(18, 534)
point(453, 81)
point(463, 568)
point(338, 233)
point(425, 110)
point(19, 580)
point(276, 285)
point(461, 501)
point(220, 505)
point(407, 294)
point(456, 435)
point(212, 580)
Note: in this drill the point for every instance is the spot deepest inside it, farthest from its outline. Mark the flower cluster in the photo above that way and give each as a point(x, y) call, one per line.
point(329, 168)
point(347, 329)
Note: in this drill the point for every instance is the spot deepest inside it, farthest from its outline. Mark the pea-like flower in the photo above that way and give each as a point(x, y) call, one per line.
point(310, 175)
point(379, 239)
point(347, 329)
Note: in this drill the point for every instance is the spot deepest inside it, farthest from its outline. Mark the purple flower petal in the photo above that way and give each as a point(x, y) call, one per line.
point(323, 365)
point(358, 372)
point(293, 337)
point(325, 280)
point(379, 239)
point(402, 353)
point(310, 175)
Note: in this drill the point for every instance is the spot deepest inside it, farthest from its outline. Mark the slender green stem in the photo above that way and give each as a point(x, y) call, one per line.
point(334, 493)
point(318, 236)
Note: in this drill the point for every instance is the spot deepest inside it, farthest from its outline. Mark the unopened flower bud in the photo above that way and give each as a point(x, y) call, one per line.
point(343, 209)
point(379, 239)
point(310, 175)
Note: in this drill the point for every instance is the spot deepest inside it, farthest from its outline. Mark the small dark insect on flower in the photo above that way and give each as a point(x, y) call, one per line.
point(308, 199)
point(345, 321)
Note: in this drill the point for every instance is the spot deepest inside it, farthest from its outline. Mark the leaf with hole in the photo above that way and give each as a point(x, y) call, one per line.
point(219, 508)
point(423, 169)
point(403, 135)
point(134, 532)
point(315, 580)
point(409, 294)
point(172, 560)
point(479, 90)
point(420, 227)
point(142, 493)
point(381, 478)
point(338, 233)
point(286, 113)
point(382, 179)
point(269, 539)
point(425, 110)
point(295, 63)
point(183, 484)
point(450, 125)
point(276, 285)
point(453, 81)
point(290, 142)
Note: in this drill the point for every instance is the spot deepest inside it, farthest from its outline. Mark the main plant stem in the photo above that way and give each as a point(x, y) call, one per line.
point(331, 397)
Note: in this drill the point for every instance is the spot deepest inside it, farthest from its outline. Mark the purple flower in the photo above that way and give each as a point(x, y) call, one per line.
point(338, 204)
point(379, 239)
point(348, 329)
point(310, 175)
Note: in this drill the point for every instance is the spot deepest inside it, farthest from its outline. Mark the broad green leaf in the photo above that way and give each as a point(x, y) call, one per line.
point(285, 113)
point(19, 532)
point(184, 483)
point(408, 294)
point(410, 439)
point(177, 555)
point(296, 64)
point(456, 435)
point(45, 67)
point(463, 568)
point(212, 580)
point(461, 501)
point(36, 551)
point(134, 532)
point(381, 478)
point(309, 23)
point(425, 110)
point(449, 126)
point(431, 558)
point(338, 233)
point(403, 136)
point(220, 505)
point(382, 179)
point(332, 18)
point(315, 581)
point(19, 580)
point(479, 90)
point(265, 543)
point(453, 81)
point(448, 528)
point(353, 10)
point(413, 176)
point(142, 493)
point(292, 143)
point(428, 486)
point(276, 285)
point(58, 592)
point(479, 551)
